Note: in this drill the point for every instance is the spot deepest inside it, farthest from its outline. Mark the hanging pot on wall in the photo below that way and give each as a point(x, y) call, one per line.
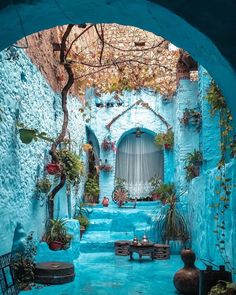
point(53, 168)
point(186, 280)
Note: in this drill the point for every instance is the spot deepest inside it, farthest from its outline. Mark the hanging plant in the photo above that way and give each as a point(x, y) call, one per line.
point(192, 117)
point(27, 135)
point(193, 161)
point(44, 185)
point(165, 139)
point(105, 167)
point(87, 147)
point(71, 165)
point(53, 168)
point(225, 185)
point(108, 145)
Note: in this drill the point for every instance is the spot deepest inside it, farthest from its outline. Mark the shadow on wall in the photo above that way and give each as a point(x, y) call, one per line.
point(18, 244)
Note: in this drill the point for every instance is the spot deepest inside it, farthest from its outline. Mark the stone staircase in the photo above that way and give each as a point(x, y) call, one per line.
point(109, 224)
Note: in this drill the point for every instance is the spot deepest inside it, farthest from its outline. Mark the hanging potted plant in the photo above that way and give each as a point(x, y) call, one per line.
point(87, 147)
point(53, 168)
point(192, 117)
point(56, 235)
point(193, 161)
point(44, 185)
point(105, 167)
point(165, 139)
point(108, 145)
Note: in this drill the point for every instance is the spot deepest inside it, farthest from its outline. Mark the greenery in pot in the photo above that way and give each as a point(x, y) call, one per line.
point(71, 164)
point(155, 183)
point(193, 161)
point(56, 233)
point(223, 288)
point(44, 185)
point(81, 214)
point(165, 191)
point(192, 117)
point(24, 264)
point(165, 139)
point(172, 226)
point(92, 190)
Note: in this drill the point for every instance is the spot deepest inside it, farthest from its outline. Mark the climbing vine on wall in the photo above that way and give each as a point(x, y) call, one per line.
point(225, 185)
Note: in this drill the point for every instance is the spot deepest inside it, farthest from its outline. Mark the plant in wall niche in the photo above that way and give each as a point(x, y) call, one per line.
point(223, 288)
point(165, 139)
point(108, 145)
point(24, 264)
point(44, 185)
point(224, 186)
point(193, 161)
point(91, 189)
point(192, 117)
point(56, 235)
point(27, 135)
point(172, 226)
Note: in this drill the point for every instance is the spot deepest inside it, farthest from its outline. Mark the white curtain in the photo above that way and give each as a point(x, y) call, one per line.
point(139, 159)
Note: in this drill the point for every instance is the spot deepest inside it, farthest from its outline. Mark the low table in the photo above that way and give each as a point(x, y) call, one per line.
point(142, 250)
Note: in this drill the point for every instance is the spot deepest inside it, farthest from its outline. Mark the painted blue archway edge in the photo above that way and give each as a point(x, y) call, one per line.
point(19, 19)
point(148, 131)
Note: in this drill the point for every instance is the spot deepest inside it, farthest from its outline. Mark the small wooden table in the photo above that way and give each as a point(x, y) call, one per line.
point(142, 250)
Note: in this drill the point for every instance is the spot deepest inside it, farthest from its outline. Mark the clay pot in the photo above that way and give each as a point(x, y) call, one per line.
point(53, 168)
point(155, 197)
point(186, 280)
point(55, 246)
point(105, 202)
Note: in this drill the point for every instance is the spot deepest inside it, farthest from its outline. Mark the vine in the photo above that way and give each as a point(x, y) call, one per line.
point(225, 185)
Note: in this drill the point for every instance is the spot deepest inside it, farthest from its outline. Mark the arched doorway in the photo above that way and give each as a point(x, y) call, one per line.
point(139, 159)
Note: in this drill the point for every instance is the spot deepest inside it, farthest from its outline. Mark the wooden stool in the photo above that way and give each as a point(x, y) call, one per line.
point(122, 247)
point(161, 252)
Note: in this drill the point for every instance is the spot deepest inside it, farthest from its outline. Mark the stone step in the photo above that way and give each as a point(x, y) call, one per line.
point(99, 224)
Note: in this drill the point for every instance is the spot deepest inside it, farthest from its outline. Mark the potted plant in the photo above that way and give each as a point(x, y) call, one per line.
point(81, 213)
point(107, 144)
point(44, 185)
point(105, 167)
point(155, 182)
point(91, 191)
point(165, 139)
point(71, 164)
point(56, 235)
point(165, 191)
point(223, 288)
point(171, 225)
point(53, 168)
point(23, 264)
point(192, 117)
point(193, 161)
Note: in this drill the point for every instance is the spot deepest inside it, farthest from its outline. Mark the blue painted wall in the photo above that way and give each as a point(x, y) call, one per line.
point(26, 96)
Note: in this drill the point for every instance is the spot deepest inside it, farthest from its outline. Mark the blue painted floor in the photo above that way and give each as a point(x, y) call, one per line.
point(107, 274)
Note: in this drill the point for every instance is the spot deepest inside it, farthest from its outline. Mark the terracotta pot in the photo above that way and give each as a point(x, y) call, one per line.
point(105, 202)
point(55, 246)
point(53, 168)
point(186, 280)
point(155, 197)
point(167, 146)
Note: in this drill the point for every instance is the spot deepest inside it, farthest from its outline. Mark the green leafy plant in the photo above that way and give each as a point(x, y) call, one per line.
point(165, 191)
point(83, 220)
point(223, 288)
point(155, 183)
point(172, 226)
point(27, 135)
point(81, 213)
point(92, 189)
point(165, 139)
point(71, 164)
point(56, 232)
point(193, 161)
point(44, 185)
point(192, 117)
point(215, 98)
point(24, 264)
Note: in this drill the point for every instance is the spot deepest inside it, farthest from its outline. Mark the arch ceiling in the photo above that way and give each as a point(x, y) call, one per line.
point(206, 29)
